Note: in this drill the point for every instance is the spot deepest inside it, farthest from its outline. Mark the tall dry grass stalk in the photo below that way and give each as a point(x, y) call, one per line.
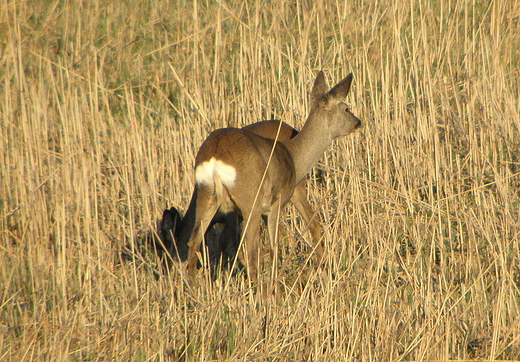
point(104, 104)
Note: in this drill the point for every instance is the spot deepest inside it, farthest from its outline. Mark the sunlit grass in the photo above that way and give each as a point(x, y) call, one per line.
point(104, 104)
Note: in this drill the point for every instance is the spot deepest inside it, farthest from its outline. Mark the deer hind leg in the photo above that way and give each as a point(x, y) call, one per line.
point(206, 208)
point(248, 253)
point(299, 199)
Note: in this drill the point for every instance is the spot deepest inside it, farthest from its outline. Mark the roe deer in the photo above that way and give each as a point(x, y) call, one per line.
point(222, 244)
point(237, 170)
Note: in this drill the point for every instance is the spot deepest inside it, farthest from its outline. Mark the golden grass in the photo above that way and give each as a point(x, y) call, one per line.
point(103, 105)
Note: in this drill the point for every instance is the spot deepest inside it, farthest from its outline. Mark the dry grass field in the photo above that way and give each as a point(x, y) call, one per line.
point(103, 105)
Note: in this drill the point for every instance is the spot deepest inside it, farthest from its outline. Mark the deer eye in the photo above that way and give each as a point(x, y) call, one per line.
point(347, 109)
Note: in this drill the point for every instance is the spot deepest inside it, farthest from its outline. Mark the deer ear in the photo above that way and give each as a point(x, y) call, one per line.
point(170, 224)
point(320, 87)
point(340, 90)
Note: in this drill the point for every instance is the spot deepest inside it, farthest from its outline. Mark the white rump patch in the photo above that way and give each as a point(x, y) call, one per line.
point(205, 173)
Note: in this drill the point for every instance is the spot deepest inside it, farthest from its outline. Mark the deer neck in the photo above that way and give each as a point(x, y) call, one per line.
point(308, 146)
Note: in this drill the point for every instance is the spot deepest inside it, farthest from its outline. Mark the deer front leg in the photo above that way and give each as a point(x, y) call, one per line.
point(299, 200)
point(251, 244)
point(273, 219)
